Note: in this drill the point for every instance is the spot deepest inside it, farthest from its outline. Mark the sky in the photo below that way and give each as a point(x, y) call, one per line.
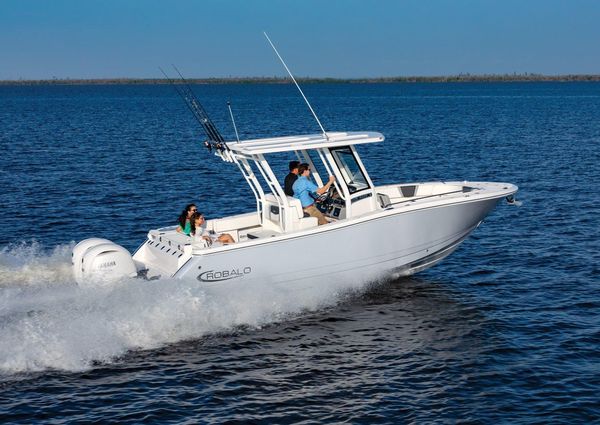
point(318, 38)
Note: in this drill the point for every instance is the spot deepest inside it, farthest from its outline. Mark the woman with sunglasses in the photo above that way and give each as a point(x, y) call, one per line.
point(198, 231)
point(185, 225)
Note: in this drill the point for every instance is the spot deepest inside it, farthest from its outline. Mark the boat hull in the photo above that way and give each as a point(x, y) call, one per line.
point(400, 242)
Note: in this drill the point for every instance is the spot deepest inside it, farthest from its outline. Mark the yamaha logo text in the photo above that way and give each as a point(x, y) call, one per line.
point(107, 264)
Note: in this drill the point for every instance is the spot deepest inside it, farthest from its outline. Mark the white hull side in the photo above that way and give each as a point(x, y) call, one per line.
point(401, 243)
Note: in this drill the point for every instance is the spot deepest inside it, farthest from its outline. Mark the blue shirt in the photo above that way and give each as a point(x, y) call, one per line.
point(303, 188)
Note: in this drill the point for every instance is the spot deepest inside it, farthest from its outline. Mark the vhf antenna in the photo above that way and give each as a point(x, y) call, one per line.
point(299, 89)
point(237, 136)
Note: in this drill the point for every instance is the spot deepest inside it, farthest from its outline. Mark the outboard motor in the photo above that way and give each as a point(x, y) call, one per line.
point(101, 259)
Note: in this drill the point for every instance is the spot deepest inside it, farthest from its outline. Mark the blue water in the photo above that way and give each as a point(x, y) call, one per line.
point(505, 330)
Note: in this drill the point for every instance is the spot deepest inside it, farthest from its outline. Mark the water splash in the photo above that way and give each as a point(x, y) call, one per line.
point(48, 322)
point(27, 263)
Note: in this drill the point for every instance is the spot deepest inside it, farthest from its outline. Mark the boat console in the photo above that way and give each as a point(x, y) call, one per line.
point(332, 205)
point(336, 209)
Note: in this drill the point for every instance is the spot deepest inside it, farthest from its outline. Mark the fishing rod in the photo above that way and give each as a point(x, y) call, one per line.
point(215, 140)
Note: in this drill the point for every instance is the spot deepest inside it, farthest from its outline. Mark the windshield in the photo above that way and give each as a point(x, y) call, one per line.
point(354, 177)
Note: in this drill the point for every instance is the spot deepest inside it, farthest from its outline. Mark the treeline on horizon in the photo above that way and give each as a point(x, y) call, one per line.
point(460, 78)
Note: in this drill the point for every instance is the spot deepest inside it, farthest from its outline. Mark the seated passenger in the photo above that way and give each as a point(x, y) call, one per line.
point(198, 231)
point(185, 225)
point(291, 178)
point(306, 191)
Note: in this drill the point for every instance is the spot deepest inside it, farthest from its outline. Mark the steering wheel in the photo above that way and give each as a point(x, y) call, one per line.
point(325, 199)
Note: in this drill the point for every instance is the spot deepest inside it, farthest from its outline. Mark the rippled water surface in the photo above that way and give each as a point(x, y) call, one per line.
point(506, 329)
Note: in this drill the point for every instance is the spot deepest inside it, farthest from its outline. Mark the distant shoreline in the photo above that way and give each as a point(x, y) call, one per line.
point(461, 78)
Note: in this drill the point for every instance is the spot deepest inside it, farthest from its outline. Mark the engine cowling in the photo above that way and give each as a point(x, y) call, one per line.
point(99, 259)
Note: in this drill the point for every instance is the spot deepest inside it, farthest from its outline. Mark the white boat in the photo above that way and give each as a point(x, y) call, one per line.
point(373, 231)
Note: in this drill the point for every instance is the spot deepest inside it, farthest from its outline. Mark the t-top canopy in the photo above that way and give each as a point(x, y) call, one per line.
point(309, 141)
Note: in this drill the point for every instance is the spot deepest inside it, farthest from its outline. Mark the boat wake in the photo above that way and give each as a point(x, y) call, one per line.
point(47, 321)
point(28, 264)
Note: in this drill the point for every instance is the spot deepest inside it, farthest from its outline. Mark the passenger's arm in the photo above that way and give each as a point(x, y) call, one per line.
point(325, 188)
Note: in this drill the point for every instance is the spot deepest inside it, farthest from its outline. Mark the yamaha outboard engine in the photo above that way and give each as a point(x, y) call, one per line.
point(100, 259)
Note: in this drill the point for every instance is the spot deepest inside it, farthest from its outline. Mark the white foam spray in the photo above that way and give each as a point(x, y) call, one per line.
point(28, 264)
point(49, 322)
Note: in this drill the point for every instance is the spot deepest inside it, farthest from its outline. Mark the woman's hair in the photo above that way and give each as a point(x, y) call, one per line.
point(184, 214)
point(302, 168)
point(193, 219)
